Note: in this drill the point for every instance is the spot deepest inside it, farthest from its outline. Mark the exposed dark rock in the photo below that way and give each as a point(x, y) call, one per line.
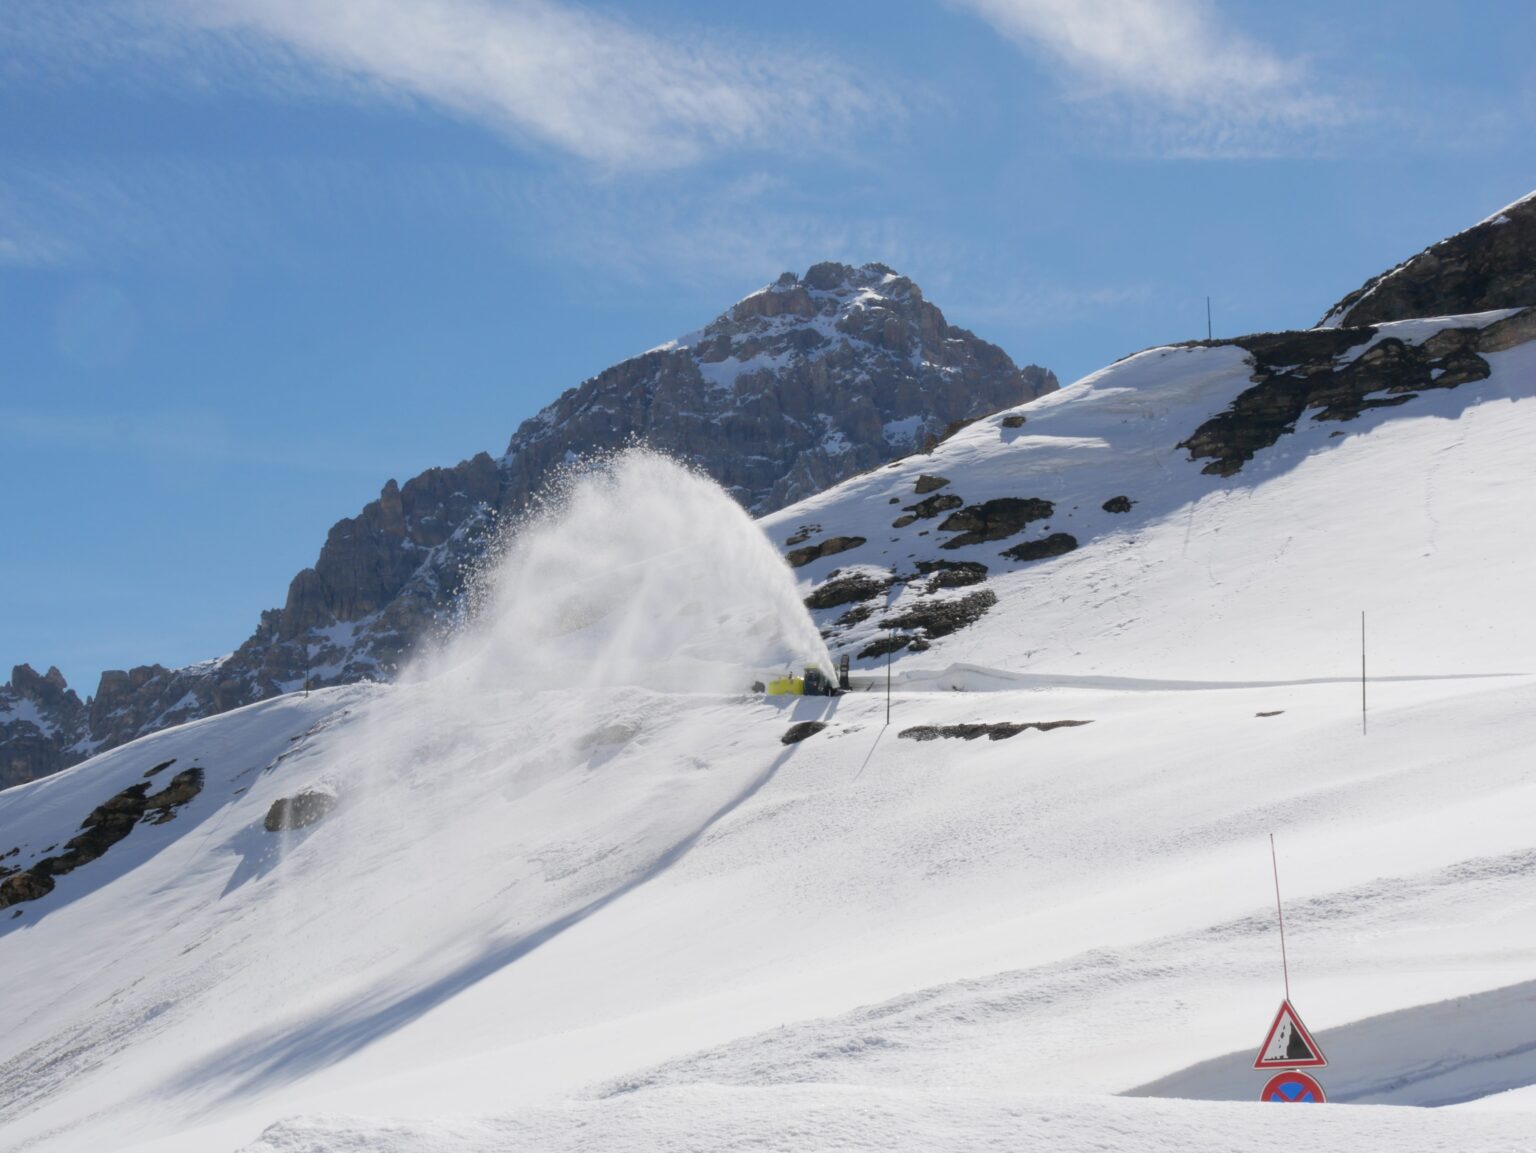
point(1298, 371)
point(24, 886)
point(928, 508)
point(933, 505)
point(847, 589)
point(1506, 333)
point(299, 811)
point(997, 731)
point(940, 618)
point(1118, 504)
point(1271, 713)
point(889, 644)
point(994, 519)
point(1013, 420)
point(162, 806)
point(799, 731)
point(106, 825)
point(160, 768)
point(856, 615)
point(927, 483)
point(1057, 544)
point(805, 532)
point(947, 574)
point(833, 545)
point(1490, 265)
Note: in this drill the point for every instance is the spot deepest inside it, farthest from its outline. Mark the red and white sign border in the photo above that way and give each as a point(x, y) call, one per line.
point(1316, 1062)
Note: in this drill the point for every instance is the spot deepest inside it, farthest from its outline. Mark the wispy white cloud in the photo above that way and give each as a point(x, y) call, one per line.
point(554, 75)
point(545, 74)
point(1174, 73)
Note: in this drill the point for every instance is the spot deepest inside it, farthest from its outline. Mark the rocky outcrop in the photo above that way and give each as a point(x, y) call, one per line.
point(800, 731)
point(103, 827)
point(797, 387)
point(299, 811)
point(994, 520)
point(800, 557)
point(996, 731)
point(1491, 265)
point(1057, 544)
point(1328, 373)
point(945, 574)
point(846, 590)
point(940, 618)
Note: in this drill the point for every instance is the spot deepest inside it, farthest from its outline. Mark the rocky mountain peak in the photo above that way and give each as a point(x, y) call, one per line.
point(40, 718)
point(835, 371)
point(808, 316)
point(1491, 265)
point(26, 681)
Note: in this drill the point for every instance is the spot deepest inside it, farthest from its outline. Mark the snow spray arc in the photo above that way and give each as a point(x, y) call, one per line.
point(527, 772)
point(635, 570)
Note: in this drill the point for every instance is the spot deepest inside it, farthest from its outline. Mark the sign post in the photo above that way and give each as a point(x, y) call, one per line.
point(1288, 1046)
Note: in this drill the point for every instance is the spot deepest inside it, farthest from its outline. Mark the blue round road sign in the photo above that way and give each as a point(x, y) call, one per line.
point(1293, 1088)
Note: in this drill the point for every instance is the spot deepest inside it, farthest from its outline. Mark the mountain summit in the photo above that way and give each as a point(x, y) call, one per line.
point(804, 383)
point(800, 385)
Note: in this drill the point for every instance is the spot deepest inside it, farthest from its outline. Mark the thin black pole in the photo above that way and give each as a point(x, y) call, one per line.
point(1285, 967)
point(1208, 318)
point(1362, 672)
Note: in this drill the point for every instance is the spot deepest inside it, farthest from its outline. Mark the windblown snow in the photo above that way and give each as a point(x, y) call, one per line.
point(620, 913)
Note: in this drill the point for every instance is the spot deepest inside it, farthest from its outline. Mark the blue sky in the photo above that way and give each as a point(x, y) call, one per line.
point(258, 256)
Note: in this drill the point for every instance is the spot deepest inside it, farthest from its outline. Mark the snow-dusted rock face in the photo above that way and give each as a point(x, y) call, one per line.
point(40, 719)
point(799, 386)
point(1491, 265)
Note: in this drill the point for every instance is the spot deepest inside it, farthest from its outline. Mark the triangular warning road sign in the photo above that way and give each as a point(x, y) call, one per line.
point(1289, 1045)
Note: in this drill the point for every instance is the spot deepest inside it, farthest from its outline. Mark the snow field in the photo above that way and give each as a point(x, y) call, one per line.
point(613, 916)
point(793, 1119)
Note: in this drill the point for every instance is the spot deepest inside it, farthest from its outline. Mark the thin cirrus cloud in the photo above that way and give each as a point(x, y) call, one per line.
point(1173, 70)
point(581, 82)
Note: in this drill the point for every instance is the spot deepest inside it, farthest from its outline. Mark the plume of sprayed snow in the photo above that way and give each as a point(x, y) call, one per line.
point(635, 586)
point(635, 571)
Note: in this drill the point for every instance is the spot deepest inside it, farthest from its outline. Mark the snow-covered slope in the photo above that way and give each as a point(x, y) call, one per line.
point(1395, 510)
point(616, 916)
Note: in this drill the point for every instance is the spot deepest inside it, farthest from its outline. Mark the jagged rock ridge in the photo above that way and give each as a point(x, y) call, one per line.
point(800, 385)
